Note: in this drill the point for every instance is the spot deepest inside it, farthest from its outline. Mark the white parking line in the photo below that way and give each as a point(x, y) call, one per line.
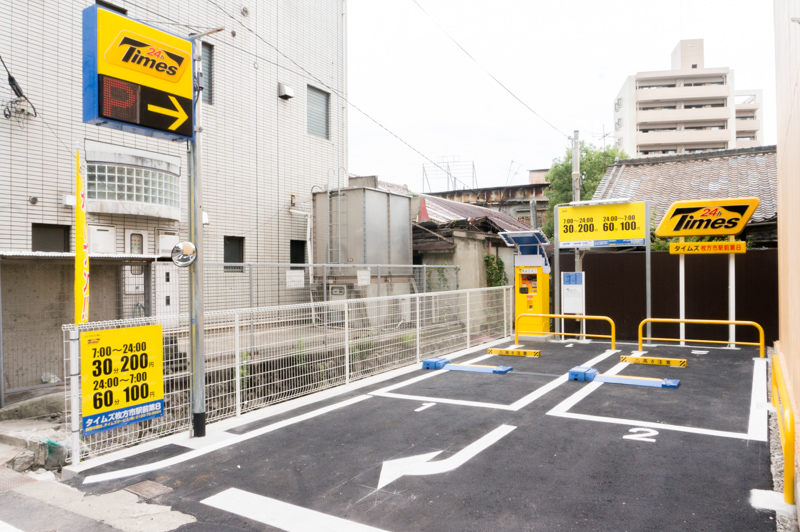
point(757, 423)
point(517, 405)
point(146, 468)
point(280, 514)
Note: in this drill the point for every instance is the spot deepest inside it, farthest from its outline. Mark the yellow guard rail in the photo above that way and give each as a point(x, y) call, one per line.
point(780, 400)
point(612, 336)
point(711, 322)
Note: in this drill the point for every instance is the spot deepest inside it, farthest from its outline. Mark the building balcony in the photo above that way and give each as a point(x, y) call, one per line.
point(750, 107)
point(682, 115)
point(683, 93)
point(660, 138)
point(747, 143)
point(748, 125)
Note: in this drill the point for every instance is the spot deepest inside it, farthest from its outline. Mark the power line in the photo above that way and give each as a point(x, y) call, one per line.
point(309, 74)
point(540, 117)
point(334, 91)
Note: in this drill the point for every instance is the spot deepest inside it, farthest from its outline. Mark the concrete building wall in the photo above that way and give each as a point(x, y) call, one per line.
point(37, 301)
point(257, 154)
point(686, 109)
point(257, 151)
point(468, 255)
point(787, 55)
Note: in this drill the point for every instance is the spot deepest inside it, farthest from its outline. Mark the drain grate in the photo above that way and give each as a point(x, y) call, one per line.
point(148, 489)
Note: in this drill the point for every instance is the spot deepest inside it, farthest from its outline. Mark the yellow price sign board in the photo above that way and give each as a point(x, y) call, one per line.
point(703, 248)
point(611, 225)
point(122, 377)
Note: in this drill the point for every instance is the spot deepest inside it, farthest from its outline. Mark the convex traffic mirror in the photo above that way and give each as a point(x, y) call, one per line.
point(184, 254)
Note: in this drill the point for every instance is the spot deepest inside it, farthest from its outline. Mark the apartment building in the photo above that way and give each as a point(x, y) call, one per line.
point(687, 109)
point(264, 150)
point(274, 130)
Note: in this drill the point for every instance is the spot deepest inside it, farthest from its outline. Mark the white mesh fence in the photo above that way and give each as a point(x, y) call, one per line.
point(256, 357)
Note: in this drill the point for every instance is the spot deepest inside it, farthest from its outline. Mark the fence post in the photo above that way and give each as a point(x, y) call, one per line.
point(424, 278)
point(418, 328)
point(468, 324)
point(75, 398)
point(238, 375)
point(505, 312)
point(346, 343)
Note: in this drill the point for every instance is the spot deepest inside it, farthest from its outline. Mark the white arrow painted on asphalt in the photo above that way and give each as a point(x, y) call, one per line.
point(419, 465)
point(424, 406)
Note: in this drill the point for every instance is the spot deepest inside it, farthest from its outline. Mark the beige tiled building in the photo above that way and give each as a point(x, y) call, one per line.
point(687, 109)
point(263, 153)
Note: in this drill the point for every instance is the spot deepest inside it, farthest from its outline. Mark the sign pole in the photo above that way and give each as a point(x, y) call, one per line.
point(732, 295)
point(196, 269)
point(682, 293)
point(557, 276)
point(648, 274)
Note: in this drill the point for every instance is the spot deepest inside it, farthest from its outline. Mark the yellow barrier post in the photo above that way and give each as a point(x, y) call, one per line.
point(612, 336)
point(707, 322)
point(781, 402)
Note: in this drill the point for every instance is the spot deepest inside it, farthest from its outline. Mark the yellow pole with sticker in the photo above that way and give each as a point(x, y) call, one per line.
point(81, 248)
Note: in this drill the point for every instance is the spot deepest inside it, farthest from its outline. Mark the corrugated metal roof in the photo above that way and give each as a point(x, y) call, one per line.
point(442, 210)
point(71, 255)
point(722, 174)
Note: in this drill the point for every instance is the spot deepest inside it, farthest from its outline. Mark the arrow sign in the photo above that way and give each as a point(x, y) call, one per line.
point(420, 465)
point(177, 112)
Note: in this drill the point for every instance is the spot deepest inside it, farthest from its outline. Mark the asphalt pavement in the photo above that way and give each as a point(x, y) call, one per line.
point(530, 450)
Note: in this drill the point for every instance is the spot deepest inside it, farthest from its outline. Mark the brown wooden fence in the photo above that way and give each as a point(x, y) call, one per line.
point(615, 287)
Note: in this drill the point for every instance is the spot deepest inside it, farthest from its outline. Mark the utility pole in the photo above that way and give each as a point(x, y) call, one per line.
point(576, 187)
point(196, 237)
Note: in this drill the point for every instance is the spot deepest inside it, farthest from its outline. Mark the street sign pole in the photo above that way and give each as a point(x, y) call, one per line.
point(196, 237)
point(196, 269)
point(648, 270)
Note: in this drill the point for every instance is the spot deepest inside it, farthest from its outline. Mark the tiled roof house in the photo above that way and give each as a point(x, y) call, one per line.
point(718, 174)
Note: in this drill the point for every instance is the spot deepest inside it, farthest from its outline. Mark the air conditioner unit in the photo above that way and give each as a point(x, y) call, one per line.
point(165, 241)
point(102, 239)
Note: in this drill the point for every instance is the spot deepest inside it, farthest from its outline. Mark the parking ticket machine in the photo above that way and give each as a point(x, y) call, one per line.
point(531, 278)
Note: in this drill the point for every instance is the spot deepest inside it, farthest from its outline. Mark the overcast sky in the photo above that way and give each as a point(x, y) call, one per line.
point(565, 59)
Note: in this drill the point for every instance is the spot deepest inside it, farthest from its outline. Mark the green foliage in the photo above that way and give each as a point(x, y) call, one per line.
point(361, 348)
point(408, 340)
point(495, 271)
point(594, 162)
point(301, 356)
point(244, 369)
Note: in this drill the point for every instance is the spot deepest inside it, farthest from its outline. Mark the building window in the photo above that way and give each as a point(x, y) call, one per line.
point(123, 183)
point(297, 252)
point(318, 112)
point(234, 252)
point(208, 73)
point(47, 237)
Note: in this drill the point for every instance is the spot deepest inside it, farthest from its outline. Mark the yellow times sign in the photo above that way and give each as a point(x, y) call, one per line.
point(703, 248)
point(612, 225)
point(710, 217)
point(122, 377)
point(135, 52)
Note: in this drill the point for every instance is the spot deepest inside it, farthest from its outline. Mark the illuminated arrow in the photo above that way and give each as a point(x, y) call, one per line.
point(419, 465)
point(178, 113)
